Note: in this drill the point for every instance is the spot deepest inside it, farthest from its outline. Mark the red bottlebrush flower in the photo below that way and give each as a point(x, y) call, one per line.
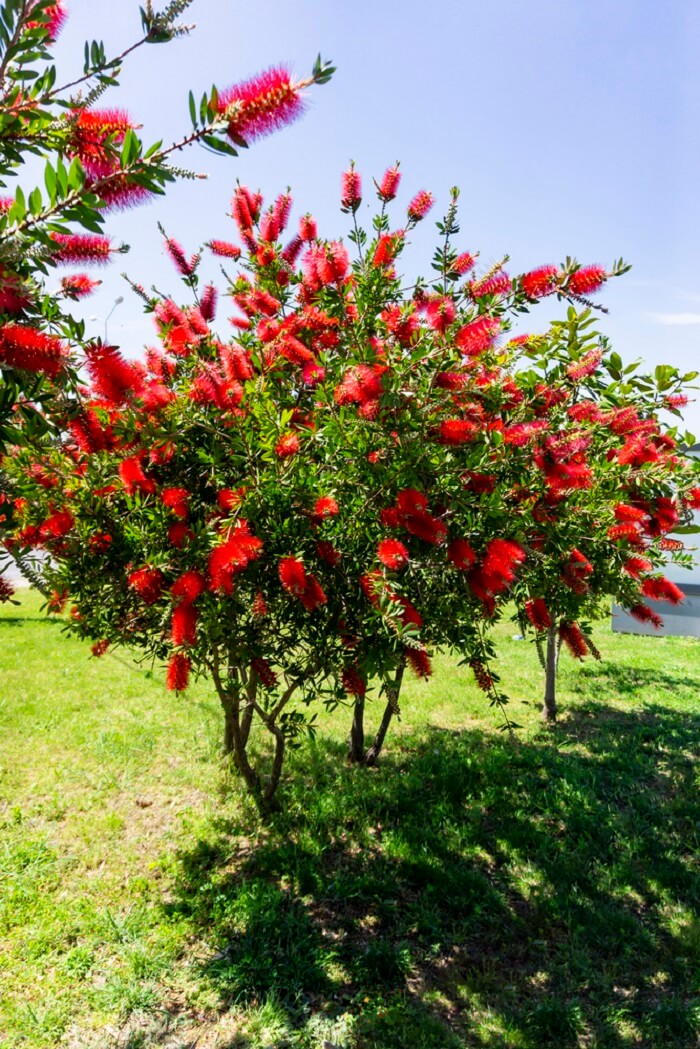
point(78, 285)
point(264, 672)
point(359, 385)
point(628, 530)
point(477, 336)
point(183, 625)
point(389, 186)
point(392, 553)
point(419, 661)
point(483, 678)
point(290, 254)
point(497, 284)
point(353, 681)
point(176, 499)
point(540, 282)
point(14, 295)
point(261, 105)
point(179, 534)
point(663, 517)
point(259, 606)
point(114, 379)
point(292, 575)
point(99, 542)
point(208, 303)
point(585, 411)
point(676, 400)
point(573, 639)
point(420, 205)
point(233, 556)
point(440, 313)
point(229, 499)
point(308, 230)
point(480, 484)
point(463, 264)
point(586, 280)
point(500, 562)
point(99, 648)
point(287, 445)
point(461, 554)
point(325, 264)
point(692, 498)
point(245, 208)
point(182, 264)
point(6, 590)
point(521, 434)
point(671, 544)
point(86, 248)
point(451, 380)
point(313, 596)
point(387, 248)
point(644, 614)
point(31, 350)
point(328, 553)
point(351, 190)
point(223, 249)
point(624, 512)
point(189, 586)
point(326, 506)
point(56, 526)
point(52, 19)
point(95, 137)
point(536, 611)
point(410, 616)
point(178, 673)
point(148, 584)
point(133, 477)
point(658, 588)
point(457, 431)
point(579, 370)
point(236, 363)
point(121, 193)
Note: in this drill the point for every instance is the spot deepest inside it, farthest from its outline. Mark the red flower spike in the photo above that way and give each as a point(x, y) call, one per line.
point(477, 336)
point(392, 554)
point(389, 186)
point(189, 586)
point(540, 282)
point(148, 584)
point(457, 431)
point(420, 205)
point(6, 590)
point(259, 606)
point(53, 19)
point(328, 553)
point(208, 303)
point(463, 264)
point(658, 588)
point(183, 626)
point(498, 284)
point(326, 506)
point(133, 477)
point(264, 672)
point(586, 280)
point(223, 249)
point(644, 614)
point(536, 611)
point(573, 639)
point(31, 350)
point(176, 499)
point(85, 248)
point(461, 554)
point(292, 575)
point(179, 534)
point(261, 105)
point(78, 286)
point(419, 661)
point(483, 678)
point(353, 681)
point(313, 596)
point(588, 364)
point(287, 446)
point(308, 230)
point(99, 648)
point(178, 673)
point(351, 190)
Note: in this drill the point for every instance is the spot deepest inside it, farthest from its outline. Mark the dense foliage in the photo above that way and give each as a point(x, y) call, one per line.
point(363, 471)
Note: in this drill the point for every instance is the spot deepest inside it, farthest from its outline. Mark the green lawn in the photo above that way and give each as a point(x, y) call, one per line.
point(471, 892)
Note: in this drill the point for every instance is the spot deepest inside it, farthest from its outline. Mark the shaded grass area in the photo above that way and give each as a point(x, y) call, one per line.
point(470, 892)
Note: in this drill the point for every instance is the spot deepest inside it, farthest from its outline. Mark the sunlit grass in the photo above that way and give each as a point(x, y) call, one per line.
point(471, 892)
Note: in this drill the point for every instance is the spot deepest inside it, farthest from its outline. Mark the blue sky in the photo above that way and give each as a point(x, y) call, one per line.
point(571, 127)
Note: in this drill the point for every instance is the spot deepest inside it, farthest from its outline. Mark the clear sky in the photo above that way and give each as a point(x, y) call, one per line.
point(571, 126)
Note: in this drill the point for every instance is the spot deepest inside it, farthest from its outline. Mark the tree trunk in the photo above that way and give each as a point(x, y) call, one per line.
point(356, 751)
point(392, 707)
point(549, 709)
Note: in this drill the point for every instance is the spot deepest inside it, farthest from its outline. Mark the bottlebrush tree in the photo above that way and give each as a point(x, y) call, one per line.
point(95, 163)
point(313, 502)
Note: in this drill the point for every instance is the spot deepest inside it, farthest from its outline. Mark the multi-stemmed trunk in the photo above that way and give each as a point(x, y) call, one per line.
point(238, 693)
point(356, 752)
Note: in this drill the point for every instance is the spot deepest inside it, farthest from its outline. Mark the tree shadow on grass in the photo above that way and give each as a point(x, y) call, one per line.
point(471, 892)
point(631, 681)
